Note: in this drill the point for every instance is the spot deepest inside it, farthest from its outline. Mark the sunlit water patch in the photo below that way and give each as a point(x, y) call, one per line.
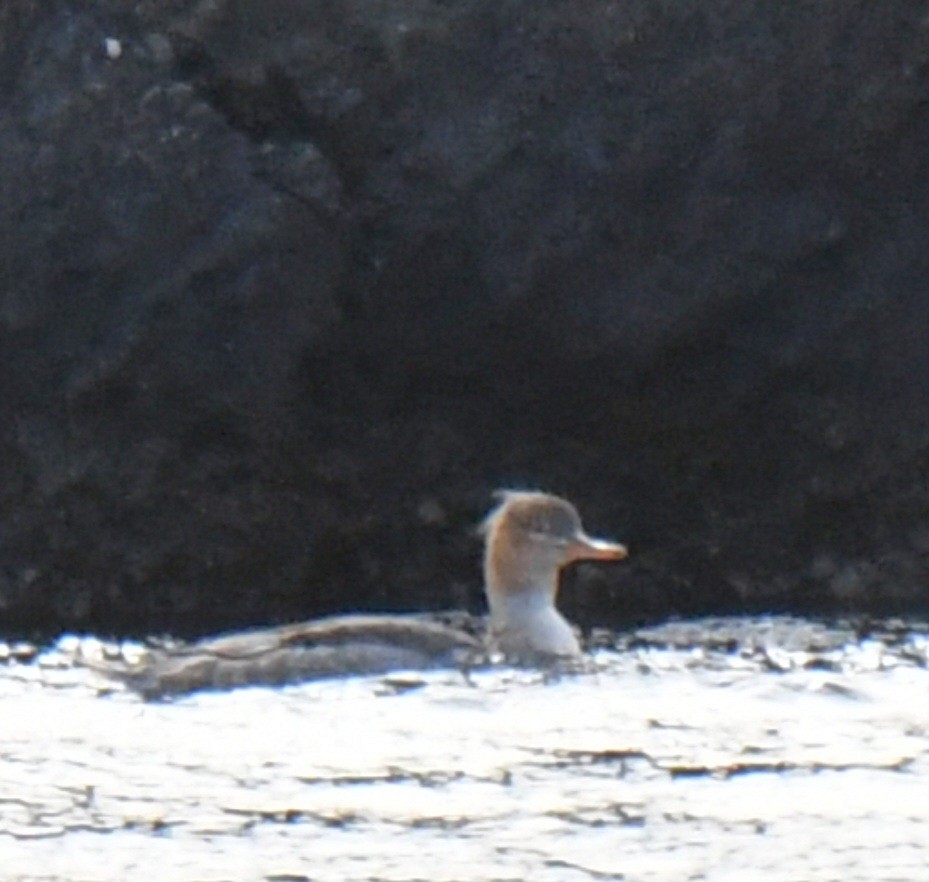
point(717, 750)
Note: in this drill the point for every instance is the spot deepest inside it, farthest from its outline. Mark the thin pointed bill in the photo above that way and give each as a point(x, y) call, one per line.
point(585, 548)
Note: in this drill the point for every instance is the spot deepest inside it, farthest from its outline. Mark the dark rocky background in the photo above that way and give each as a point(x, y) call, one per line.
point(287, 288)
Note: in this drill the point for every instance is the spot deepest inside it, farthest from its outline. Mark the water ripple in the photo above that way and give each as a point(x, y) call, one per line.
point(717, 750)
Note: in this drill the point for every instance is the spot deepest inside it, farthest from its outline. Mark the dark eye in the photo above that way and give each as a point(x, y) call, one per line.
point(554, 523)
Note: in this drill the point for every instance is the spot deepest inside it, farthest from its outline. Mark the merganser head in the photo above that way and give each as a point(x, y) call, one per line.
point(530, 538)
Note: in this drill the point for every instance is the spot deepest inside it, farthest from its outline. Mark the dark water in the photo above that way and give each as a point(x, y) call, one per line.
point(724, 751)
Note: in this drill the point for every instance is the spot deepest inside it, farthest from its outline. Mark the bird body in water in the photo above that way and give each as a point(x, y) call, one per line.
point(529, 538)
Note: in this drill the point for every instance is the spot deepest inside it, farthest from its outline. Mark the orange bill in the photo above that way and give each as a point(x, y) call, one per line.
point(584, 548)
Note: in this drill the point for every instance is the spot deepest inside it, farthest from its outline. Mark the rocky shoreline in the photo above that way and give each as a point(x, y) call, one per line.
point(288, 290)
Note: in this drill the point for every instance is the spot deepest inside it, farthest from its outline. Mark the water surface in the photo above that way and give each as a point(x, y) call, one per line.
point(717, 750)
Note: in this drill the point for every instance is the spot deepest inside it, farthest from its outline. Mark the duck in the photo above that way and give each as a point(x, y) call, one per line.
point(530, 537)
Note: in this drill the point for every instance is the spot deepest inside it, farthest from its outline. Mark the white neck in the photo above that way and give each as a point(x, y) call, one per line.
point(524, 622)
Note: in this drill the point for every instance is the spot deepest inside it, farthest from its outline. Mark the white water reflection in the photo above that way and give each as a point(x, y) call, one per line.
point(665, 764)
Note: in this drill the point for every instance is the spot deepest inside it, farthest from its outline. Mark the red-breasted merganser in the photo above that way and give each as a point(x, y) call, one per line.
point(529, 539)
